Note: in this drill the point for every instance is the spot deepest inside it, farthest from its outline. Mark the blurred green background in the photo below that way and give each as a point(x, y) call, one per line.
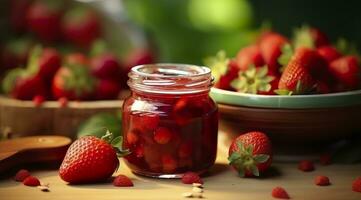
point(188, 30)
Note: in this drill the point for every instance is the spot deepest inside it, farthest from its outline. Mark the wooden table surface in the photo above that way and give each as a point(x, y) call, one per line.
point(222, 183)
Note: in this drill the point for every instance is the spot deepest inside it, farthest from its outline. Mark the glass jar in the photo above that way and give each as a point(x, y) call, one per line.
point(170, 124)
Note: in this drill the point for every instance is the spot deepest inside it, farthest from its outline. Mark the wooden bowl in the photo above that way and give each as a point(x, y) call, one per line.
point(24, 118)
point(291, 120)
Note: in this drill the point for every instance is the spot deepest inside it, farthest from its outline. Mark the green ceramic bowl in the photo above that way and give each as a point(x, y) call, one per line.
point(293, 102)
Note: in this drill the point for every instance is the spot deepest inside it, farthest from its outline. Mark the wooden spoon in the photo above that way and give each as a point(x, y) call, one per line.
point(19, 151)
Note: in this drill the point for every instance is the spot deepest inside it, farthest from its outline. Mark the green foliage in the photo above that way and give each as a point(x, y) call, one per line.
point(99, 123)
point(218, 64)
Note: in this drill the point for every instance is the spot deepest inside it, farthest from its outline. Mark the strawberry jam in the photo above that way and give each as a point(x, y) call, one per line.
point(170, 123)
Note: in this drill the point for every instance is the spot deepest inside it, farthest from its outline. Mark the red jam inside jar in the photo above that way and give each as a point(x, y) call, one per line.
point(170, 124)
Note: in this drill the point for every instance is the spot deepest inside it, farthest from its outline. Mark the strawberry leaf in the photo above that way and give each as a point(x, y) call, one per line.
point(98, 47)
point(261, 158)
point(241, 172)
point(254, 170)
point(303, 38)
point(116, 142)
point(33, 62)
point(218, 64)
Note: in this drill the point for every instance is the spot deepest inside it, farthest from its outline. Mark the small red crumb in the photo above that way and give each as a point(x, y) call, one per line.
point(63, 102)
point(306, 166)
point(322, 180)
point(191, 177)
point(325, 159)
point(280, 193)
point(356, 185)
point(122, 181)
point(38, 100)
point(31, 181)
point(21, 175)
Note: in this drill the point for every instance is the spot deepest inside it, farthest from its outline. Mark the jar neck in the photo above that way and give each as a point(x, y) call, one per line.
point(170, 79)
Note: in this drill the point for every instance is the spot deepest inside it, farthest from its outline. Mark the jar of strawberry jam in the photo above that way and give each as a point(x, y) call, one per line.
point(170, 123)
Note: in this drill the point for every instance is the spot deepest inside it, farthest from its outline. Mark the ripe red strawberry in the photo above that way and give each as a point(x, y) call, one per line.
point(346, 71)
point(77, 59)
point(38, 100)
point(107, 89)
point(105, 66)
point(90, 159)
point(31, 181)
point(306, 166)
point(122, 181)
point(270, 47)
point(356, 185)
point(191, 177)
point(73, 82)
point(322, 180)
point(22, 85)
point(21, 175)
point(280, 193)
point(329, 53)
point(162, 135)
point(225, 80)
point(250, 153)
point(302, 71)
point(250, 55)
point(44, 62)
point(43, 19)
point(81, 26)
point(169, 163)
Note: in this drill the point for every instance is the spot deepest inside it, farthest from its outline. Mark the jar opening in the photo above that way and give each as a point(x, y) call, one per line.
point(170, 78)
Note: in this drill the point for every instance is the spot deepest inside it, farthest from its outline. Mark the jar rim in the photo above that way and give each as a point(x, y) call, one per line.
point(205, 70)
point(170, 78)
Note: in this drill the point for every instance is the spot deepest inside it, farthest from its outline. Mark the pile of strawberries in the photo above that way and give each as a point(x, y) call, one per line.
point(59, 53)
point(274, 64)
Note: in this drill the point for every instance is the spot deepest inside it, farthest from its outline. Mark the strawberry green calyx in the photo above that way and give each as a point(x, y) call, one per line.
point(303, 38)
point(218, 64)
point(9, 80)
point(346, 47)
point(253, 80)
point(80, 80)
point(117, 143)
point(243, 160)
point(287, 53)
point(33, 63)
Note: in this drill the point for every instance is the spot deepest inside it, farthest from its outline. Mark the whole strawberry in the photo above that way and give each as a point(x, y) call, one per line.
point(250, 55)
point(329, 53)
point(107, 89)
point(300, 75)
point(81, 26)
point(91, 159)
point(73, 82)
point(105, 66)
point(43, 19)
point(346, 71)
point(44, 62)
point(250, 153)
point(21, 85)
point(270, 47)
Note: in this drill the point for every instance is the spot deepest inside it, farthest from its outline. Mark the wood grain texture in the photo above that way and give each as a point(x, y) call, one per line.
point(24, 119)
point(222, 183)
